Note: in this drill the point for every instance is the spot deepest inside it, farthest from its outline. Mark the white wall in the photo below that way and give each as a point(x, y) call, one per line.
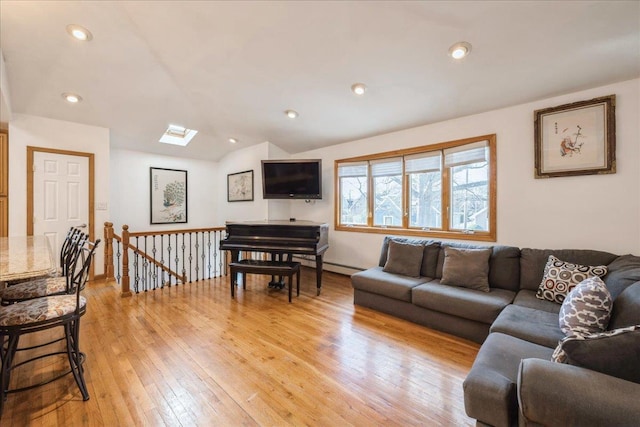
point(130, 190)
point(259, 209)
point(25, 130)
point(594, 211)
point(597, 211)
point(240, 161)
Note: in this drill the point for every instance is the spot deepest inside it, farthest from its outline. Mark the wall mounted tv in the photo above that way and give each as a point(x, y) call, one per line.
point(292, 179)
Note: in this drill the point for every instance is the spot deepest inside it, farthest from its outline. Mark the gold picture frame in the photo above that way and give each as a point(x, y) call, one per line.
point(576, 139)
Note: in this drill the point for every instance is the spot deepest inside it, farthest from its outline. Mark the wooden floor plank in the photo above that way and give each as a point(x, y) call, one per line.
point(190, 355)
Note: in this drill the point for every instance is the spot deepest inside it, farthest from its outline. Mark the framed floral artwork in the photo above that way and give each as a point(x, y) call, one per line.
point(576, 139)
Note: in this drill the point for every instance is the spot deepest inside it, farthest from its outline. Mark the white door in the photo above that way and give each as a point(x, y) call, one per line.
point(60, 195)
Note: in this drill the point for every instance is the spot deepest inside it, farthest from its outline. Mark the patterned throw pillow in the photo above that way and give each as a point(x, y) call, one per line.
point(613, 352)
point(561, 277)
point(587, 308)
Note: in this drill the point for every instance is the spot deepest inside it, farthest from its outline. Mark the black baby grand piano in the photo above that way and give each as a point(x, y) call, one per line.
point(278, 237)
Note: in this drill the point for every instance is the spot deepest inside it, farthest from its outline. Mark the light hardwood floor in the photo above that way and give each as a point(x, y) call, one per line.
point(189, 355)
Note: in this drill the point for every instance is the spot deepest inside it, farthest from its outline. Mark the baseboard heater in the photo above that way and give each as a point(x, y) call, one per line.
point(335, 264)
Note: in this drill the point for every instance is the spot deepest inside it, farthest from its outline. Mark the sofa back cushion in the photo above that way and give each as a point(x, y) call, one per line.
point(626, 308)
point(533, 261)
point(429, 259)
point(504, 264)
point(622, 273)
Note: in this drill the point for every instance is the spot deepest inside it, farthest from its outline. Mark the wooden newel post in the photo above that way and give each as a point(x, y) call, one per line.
point(126, 291)
point(108, 250)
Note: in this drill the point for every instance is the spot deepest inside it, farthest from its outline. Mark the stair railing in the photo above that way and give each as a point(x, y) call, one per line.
point(149, 260)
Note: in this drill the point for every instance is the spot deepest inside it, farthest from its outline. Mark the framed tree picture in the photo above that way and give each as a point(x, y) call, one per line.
point(168, 196)
point(576, 139)
point(240, 186)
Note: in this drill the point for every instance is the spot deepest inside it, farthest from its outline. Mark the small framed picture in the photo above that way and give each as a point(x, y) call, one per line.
point(576, 139)
point(168, 196)
point(240, 186)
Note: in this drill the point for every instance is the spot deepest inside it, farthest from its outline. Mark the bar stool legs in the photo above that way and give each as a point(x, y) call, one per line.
point(76, 357)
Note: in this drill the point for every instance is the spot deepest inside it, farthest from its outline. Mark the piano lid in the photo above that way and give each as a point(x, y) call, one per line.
point(267, 222)
point(304, 237)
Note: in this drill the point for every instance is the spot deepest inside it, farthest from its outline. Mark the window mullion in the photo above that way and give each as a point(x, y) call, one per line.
point(446, 197)
point(405, 197)
point(370, 196)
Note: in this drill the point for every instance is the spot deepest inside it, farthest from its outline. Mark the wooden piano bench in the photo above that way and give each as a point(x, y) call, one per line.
point(270, 268)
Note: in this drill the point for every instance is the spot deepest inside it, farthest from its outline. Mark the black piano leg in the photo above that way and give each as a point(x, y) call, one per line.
point(235, 256)
point(318, 273)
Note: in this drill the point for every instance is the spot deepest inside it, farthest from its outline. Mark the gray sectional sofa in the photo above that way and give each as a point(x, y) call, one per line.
point(513, 379)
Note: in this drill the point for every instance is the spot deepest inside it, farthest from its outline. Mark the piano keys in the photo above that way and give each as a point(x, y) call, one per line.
point(278, 237)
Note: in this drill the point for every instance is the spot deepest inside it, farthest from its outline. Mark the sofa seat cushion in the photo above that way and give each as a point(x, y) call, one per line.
point(527, 298)
point(536, 326)
point(391, 285)
point(462, 302)
point(490, 388)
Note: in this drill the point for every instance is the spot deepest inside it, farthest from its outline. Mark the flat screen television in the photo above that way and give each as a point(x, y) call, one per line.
point(292, 179)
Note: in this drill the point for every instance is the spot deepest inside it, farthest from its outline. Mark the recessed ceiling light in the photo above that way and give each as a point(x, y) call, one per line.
point(291, 114)
point(233, 140)
point(358, 88)
point(177, 135)
point(72, 97)
point(460, 50)
point(78, 32)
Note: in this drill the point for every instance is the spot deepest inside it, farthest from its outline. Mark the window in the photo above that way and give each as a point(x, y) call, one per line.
point(424, 176)
point(354, 185)
point(445, 190)
point(387, 191)
point(469, 186)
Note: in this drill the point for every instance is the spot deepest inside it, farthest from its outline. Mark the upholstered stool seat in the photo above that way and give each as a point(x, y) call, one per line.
point(40, 310)
point(34, 289)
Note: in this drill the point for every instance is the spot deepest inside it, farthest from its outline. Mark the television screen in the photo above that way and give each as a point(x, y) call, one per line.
point(292, 179)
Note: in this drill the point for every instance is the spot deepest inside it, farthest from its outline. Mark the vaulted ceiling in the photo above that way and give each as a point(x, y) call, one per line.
point(231, 69)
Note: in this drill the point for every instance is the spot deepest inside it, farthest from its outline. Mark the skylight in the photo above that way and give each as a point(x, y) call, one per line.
point(178, 135)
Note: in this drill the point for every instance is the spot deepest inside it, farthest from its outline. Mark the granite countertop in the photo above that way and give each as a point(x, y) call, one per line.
point(24, 257)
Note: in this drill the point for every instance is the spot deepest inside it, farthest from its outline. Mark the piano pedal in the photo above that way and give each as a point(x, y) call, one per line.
point(276, 285)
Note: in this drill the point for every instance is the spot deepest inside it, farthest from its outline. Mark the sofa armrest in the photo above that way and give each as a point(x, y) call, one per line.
point(554, 394)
